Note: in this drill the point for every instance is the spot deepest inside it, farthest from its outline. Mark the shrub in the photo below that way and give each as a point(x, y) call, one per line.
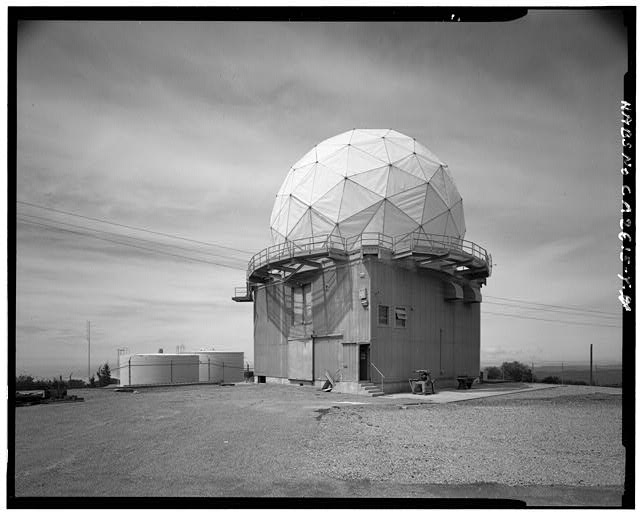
point(516, 371)
point(494, 373)
point(104, 375)
point(552, 380)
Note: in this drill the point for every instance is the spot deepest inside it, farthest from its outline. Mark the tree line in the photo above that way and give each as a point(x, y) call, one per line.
point(517, 371)
point(102, 378)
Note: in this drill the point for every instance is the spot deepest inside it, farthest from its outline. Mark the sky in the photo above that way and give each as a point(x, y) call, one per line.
point(186, 130)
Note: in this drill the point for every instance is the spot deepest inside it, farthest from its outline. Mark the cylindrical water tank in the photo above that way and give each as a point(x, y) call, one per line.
point(221, 366)
point(159, 369)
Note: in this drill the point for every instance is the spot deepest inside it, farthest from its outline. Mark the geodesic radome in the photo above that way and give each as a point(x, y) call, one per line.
point(367, 180)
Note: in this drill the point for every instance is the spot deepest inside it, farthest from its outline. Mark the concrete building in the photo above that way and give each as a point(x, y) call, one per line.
point(370, 277)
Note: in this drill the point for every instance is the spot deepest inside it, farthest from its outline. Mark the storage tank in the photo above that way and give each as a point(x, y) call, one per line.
point(159, 369)
point(221, 366)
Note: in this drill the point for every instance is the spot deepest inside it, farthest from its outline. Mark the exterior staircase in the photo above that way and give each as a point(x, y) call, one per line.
point(370, 389)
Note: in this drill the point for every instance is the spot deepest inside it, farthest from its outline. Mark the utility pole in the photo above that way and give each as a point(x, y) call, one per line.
point(591, 364)
point(562, 373)
point(89, 351)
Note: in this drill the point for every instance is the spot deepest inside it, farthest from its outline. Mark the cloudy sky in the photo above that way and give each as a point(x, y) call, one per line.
point(187, 129)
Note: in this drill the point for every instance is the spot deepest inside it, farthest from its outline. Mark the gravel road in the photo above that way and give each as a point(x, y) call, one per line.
point(278, 440)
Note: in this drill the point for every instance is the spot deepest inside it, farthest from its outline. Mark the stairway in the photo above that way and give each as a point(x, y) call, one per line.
point(370, 389)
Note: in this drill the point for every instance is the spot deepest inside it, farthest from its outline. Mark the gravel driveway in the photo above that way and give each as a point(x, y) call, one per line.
point(558, 446)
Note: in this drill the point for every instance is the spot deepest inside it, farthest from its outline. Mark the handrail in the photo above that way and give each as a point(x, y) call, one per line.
point(240, 291)
point(398, 244)
point(376, 368)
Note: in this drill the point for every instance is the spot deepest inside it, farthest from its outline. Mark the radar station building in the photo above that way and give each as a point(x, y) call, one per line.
point(369, 277)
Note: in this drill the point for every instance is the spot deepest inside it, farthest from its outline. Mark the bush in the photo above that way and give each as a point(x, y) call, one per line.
point(494, 373)
point(104, 375)
point(516, 371)
point(551, 380)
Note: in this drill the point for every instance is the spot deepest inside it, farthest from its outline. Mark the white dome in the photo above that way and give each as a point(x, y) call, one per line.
point(367, 181)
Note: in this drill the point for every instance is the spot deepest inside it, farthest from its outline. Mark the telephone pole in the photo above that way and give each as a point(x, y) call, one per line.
point(89, 351)
point(591, 364)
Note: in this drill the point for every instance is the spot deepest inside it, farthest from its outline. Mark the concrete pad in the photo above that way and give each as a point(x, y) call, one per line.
point(452, 395)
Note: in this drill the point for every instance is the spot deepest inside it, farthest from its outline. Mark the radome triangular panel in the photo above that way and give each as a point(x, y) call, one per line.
point(403, 141)
point(302, 228)
point(411, 202)
point(374, 180)
point(397, 222)
point(434, 205)
point(359, 161)
point(355, 224)
point(363, 137)
point(296, 211)
point(355, 198)
point(427, 154)
point(400, 181)
point(338, 161)
point(452, 190)
point(451, 229)
point(396, 152)
point(377, 149)
point(277, 207)
point(329, 204)
point(324, 151)
point(457, 213)
point(280, 221)
point(376, 225)
point(437, 182)
point(428, 168)
point(411, 165)
point(320, 225)
point(438, 224)
point(276, 236)
point(324, 180)
point(302, 182)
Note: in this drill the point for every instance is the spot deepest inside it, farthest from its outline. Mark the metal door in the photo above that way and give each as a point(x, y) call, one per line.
point(364, 362)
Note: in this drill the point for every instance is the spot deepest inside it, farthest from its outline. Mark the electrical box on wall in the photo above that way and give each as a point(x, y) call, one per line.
point(364, 299)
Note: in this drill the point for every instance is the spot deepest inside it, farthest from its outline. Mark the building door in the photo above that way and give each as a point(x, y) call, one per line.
point(364, 362)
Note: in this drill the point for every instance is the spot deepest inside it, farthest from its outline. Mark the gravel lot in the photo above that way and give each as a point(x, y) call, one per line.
point(557, 446)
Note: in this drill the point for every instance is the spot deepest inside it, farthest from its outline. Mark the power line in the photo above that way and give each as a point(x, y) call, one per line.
point(551, 305)
point(137, 239)
point(552, 320)
point(350, 264)
point(133, 227)
point(133, 245)
point(554, 310)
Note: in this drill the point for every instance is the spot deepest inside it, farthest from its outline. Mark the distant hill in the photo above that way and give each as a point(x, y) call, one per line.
point(603, 375)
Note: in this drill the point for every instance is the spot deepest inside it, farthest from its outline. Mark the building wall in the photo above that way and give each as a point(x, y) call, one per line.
point(338, 318)
point(442, 336)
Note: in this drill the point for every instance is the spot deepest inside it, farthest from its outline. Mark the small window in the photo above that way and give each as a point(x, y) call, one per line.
point(383, 315)
point(401, 317)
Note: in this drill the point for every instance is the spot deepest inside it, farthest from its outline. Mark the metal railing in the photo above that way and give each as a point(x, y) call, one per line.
point(399, 244)
point(372, 239)
point(240, 292)
point(292, 248)
point(382, 375)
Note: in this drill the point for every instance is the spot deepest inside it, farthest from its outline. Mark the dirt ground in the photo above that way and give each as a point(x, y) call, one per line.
point(552, 447)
